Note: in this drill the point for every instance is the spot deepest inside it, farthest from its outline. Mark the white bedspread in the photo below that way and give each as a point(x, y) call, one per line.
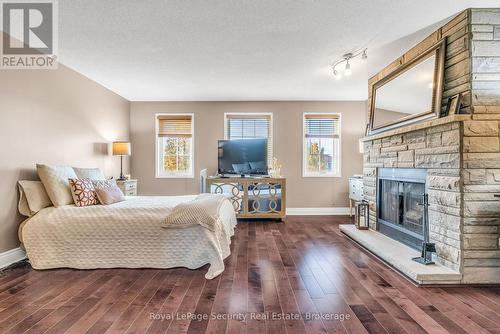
point(128, 234)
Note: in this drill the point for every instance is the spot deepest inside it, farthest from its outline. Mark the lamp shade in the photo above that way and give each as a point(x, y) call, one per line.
point(121, 148)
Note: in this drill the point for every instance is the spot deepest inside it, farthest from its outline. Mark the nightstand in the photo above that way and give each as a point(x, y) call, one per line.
point(128, 187)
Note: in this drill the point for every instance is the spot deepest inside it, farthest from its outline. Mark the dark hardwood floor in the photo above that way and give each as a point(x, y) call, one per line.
point(304, 276)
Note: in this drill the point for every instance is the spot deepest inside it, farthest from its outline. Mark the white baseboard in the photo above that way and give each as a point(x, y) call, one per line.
point(11, 256)
point(317, 211)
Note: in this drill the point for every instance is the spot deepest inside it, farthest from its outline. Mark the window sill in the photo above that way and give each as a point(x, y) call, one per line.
point(174, 176)
point(321, 175)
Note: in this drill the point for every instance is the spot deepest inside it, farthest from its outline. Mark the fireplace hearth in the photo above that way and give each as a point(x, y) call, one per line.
point(400, 195)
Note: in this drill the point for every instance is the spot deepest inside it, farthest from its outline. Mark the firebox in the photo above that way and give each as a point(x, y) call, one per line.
point(399, 201)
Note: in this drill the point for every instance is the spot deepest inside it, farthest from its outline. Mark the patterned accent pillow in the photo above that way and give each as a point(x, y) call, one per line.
point(83, 192)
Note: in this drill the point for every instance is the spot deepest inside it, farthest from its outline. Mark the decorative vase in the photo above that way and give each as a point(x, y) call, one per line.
point(275, 169)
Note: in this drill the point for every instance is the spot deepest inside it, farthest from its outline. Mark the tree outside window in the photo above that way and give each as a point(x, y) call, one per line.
point(175, 145)
point(321, 145)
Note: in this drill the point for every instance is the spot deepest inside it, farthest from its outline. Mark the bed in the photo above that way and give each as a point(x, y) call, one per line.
point(128, 234)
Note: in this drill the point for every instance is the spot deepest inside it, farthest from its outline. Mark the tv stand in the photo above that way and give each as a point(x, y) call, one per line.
point(251, 196)
point(255, 176)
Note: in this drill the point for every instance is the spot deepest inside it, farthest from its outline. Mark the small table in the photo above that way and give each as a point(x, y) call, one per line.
point(128, 187)
point(355, 191)
point(252, 197)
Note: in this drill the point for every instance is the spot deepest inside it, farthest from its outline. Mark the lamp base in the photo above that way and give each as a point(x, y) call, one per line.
point(122, 177)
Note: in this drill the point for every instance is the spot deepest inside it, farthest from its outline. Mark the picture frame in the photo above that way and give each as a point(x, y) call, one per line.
point(453, 105)
point(367, 129)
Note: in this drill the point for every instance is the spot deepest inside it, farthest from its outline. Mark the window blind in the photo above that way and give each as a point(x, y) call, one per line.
point(250, 126)
point(247, 126)
point(175, 126)
point(321, 126)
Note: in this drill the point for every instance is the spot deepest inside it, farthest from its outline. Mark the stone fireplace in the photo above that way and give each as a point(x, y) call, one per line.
point(454, 159)
point(429, 156)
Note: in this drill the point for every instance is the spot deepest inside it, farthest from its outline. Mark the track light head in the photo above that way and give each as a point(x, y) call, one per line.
point(347, 70)
point(364, 55)
point(336, 74)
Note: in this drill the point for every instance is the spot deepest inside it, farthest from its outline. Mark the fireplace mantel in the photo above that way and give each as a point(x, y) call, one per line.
point(419, 126)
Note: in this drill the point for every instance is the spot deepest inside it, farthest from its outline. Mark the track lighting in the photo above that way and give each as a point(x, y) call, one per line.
point(346, 58)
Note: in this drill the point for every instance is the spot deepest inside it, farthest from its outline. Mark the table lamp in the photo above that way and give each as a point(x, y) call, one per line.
point(121, 148)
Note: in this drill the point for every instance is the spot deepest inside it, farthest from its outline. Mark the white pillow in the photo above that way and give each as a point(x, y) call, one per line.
point(32, 197)
point(55, 181)
point(89, 173)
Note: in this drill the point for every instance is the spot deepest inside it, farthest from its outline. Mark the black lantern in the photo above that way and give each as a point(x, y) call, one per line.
point(362, 215)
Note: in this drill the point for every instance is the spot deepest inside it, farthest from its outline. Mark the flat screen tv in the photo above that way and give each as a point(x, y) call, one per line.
point(243, 156)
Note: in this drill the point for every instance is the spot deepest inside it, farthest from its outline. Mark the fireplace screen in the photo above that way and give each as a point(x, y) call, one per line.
point(400, 215)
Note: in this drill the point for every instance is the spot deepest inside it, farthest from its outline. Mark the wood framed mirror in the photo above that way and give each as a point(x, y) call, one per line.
point(411, 93)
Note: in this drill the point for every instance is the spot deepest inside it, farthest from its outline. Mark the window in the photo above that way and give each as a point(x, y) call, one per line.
point(250, 126)
point(174, 145)
point(321, 152)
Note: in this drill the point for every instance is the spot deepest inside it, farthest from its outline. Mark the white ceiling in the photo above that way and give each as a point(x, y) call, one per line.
point(188, 50)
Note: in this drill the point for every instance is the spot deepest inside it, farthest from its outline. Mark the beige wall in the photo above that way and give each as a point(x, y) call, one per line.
point(52, 117)
point(209, 127)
